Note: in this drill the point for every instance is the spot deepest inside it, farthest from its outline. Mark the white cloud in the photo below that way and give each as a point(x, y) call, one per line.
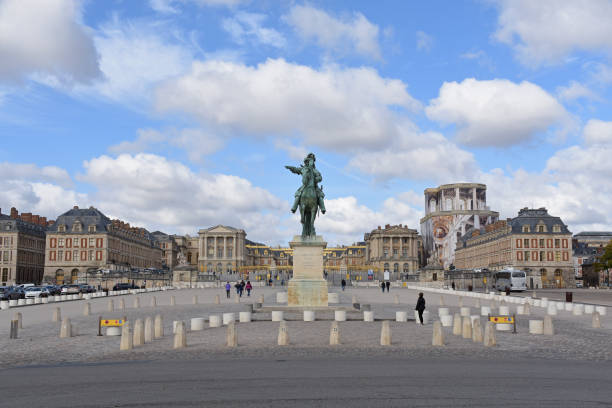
point(349, 34)
point(346, 220)
point(45, 38)
point(171, 6)
point(497, 112)
point(342, 109)
point(575, 90)
point(424, 41)
point(134, 57)
point(546, 31)
point(31, 172)
point(163, 6)
point(248, 26)
point(597, 132)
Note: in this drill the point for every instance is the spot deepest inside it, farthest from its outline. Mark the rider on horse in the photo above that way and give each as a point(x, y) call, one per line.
point(309, 166)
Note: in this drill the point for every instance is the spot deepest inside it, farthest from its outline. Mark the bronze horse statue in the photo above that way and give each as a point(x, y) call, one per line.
point(309, 197)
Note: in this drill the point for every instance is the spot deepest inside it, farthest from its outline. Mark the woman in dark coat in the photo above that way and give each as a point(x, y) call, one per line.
point(420, 306)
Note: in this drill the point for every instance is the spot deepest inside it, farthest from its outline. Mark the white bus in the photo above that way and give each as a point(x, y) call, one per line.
point(514, 280)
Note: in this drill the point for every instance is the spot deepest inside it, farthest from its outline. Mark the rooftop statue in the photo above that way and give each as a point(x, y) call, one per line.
point(309, 197)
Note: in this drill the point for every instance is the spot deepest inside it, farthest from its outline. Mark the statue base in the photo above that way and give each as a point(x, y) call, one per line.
point(307, 287)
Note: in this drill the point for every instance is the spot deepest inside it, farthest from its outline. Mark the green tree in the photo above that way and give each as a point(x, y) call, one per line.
point(605, 262)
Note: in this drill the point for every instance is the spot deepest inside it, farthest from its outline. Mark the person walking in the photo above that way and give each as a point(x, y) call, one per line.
point(249, 287)
point(382, 286)
point(420, 306)
point(228, 288)
point(388, 285)
point(343, 283)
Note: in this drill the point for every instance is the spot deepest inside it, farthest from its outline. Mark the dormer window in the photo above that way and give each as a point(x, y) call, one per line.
point(541, 228)
point(61, 228)
point(526, 228)
point(556, 228)
point(77, 227)
point(92, 228)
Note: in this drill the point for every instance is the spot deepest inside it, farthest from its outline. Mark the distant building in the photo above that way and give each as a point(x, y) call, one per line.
point(534, 241)
point(84, 241)
point(170, 249)
point(221, 249)
point(594, 239)
point(395, 248)
point(450, 210)
point(22, 247)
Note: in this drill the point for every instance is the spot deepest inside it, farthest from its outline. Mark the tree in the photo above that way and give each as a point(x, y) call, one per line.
point(605, 262)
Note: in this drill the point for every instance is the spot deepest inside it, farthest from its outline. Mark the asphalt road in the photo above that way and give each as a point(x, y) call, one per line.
point(301, 383)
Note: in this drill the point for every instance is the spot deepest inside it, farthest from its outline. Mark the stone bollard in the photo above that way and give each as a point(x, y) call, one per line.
point(438, 336)
point(217, 300)
point(127, 342)
point(596, 321)
point(549, 329)
point(465, 311)
point(527, 308)
point(180, 335)
point(476, 331)
point(139, 338)
point(65, 328)
point(368, 316)
point(334, 334)
point(457, 329)
point(245, 317)
point(148, 329)
point(552, 309)
point(283, 334)
point(385, 334)
point(231, 335)
point(159, 327)
point(194, 299)
point(396, 300)
point(153, 301)
point(489, 335)
point(14, 331)
point(446, 320)
point(173, 303)
point(136, 303)
point(57, 315)
point(460, 301)
point(228, 318)
point(442, 301)
point(214, 321)
point(340, 315)
point(466, 329)
point(87, 309)
point(197, 323)
point(17, 316)
point(536, 327)
point(110, 307)
point(261, 299)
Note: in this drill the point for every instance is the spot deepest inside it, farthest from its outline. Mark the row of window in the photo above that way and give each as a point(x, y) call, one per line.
point(542, 228)
point(74, 242)
point(73, 256)
point(535, 243)
point(229, 251)
point(76, 227)
point(536, 256)
point(395, 252)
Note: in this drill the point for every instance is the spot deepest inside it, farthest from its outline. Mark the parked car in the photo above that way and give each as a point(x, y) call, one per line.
point(71, 289)
point(25, 285)
point(124, 286)
point(20, 291)
point(9, 293)
point(36, 291)
point(54, 290)
point(87, 288)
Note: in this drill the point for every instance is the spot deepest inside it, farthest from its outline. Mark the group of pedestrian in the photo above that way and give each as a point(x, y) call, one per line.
point(240, 288)
point(385, 284)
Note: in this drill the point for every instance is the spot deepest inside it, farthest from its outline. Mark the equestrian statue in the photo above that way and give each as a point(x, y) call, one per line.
point(309, 197)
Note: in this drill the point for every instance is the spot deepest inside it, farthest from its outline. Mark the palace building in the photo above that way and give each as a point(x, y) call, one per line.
point(534, 241)
point(396, 249)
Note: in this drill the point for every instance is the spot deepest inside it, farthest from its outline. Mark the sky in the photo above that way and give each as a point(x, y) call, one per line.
point(177, 115)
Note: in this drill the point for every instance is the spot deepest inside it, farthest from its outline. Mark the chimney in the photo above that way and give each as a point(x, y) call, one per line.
point(43, 221)
point(379, 227)
point(76, 207)
point(36, 219)
point(27, 217)
point(51, 222)
point(14, 213)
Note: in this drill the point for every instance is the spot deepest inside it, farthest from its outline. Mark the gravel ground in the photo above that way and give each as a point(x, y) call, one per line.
point(39, 342)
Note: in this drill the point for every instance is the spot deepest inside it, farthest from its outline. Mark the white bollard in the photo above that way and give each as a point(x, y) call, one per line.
point(465, 311)
point(368, 316)
point(442, 311)
point(536, 327)
point(277, 315)
point(148, 329)
point(520, 310)
point(560, 305)
point(401, 316)
point(578, 309)
point(180, 336)
point(214, 321)
point(197, 323)
point(340, 315)
point(602, 310)
point(4, 305)
point(245, 317)
point(485, 310)
point(113, 331)
point(228, 318)
point(309, 316)
point(504, 311)
point(283, 334)
point(569, 306)
point(552, 309)
point(589, 309)
point(334, 334)
point(438, 336)
point(446, 320)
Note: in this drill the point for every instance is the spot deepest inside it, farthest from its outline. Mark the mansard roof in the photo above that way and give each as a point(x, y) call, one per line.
point(534, 217)
point(86, 216)
point(17, 224)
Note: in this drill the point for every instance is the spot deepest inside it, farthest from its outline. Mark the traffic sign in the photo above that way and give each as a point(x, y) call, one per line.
point(112, 322)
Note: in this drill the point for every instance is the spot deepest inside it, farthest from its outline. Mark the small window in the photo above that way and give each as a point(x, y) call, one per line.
point(92, 228)
point(526, 228)
point(61, 228)
point(556, 228)
point(541, 228)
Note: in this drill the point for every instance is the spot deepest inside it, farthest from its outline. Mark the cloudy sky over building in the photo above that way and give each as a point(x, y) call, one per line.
point(180, 114)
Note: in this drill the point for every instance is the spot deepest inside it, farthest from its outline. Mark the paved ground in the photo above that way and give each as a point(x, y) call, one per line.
point(562, 368)
point(346, 382)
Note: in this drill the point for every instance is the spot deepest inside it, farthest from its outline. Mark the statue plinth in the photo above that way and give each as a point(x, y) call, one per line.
point(307, 287)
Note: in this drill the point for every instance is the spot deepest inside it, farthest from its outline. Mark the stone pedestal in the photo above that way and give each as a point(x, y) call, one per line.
point(307, 287)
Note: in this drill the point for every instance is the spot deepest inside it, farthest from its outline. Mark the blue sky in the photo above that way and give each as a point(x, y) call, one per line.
point(180, 114)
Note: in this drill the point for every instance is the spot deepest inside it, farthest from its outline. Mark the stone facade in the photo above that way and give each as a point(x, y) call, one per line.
point(534, 241)
point(450, 210)
point(396, 249)
point(221, 250)
point(84, 241)
point(22, 248)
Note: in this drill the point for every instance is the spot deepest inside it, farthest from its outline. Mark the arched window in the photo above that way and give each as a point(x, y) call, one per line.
point(406, 269)
point(219, 267)
point(396, 267)
point(74, 276)
point(59, 276)
point(558, 272)
point(228, 268)
point(386, 268)
point(543, 272)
